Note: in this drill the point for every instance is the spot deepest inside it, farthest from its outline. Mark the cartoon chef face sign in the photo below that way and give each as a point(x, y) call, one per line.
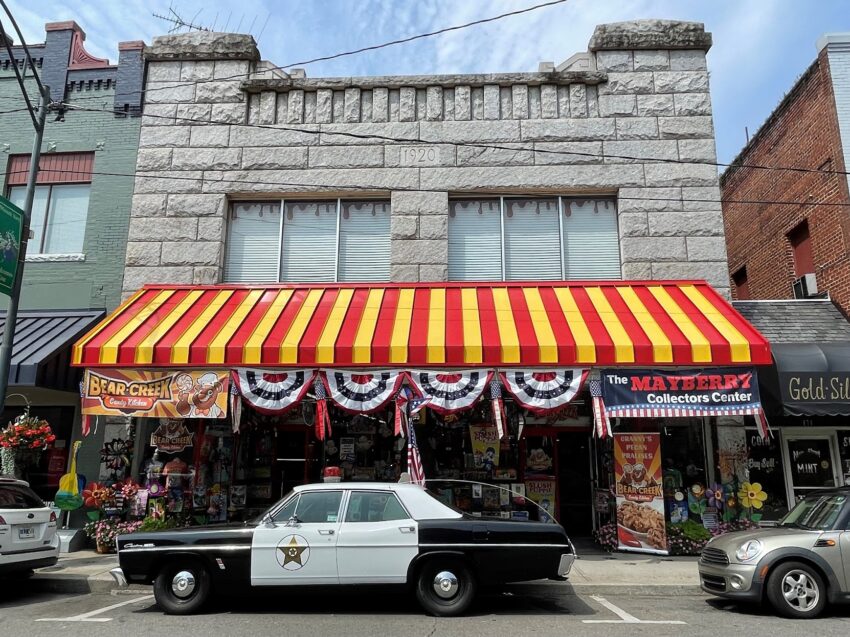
point(198, 400)
point(292, 552)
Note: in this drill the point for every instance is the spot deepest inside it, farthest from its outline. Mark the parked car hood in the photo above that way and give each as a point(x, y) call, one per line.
point(773, 537)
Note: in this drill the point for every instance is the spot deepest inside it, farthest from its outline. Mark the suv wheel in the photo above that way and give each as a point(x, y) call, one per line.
point(445, 588)
point(182, 587)
point(796, 590)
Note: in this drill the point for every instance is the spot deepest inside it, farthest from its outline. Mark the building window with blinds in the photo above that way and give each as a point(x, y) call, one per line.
point(533, 239)
point(310, 242)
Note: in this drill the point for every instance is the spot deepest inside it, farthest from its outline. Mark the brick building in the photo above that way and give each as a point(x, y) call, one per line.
point(75, 256)
point(772, 246)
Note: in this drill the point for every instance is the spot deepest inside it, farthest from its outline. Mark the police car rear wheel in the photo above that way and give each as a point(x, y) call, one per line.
point(445, 588)
point(182, 588)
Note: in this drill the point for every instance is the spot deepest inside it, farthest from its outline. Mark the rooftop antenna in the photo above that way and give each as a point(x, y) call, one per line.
point(268, 15)
point(179, 23)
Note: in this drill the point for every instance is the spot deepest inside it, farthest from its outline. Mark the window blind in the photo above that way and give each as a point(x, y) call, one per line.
point(308, 248)
point(475, 245)
point(364, 241)
point(532, 240)
point(253, 241)
point(591, 239)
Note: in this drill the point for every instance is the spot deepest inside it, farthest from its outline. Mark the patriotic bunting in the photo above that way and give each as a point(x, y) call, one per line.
point(235, 403)
point(323, 419)
point(761, 424)
point(451, 391)
point(272, 392)
point(498, 407)
point(601, 423)
point(362, 392)
point(544, 390)
point(414, 460)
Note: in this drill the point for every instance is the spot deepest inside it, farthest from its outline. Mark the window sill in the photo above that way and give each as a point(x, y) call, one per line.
point(55, 258)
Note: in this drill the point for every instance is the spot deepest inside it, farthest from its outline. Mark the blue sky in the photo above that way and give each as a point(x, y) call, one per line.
point(760, 46)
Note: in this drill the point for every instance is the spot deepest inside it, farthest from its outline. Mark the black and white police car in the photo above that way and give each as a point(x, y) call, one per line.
point(347, 534)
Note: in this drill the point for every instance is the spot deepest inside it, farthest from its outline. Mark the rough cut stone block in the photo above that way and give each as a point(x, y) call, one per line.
point(463, 103)
point(640, 151)
point(195, 205)
point(653, 249)
point(148, 206)
point(218, 136)
point(407, 104)
point(404, 227)
point(153, 159)
point(211, 229)
point(662, 175)
point(478, 131)
point(564, 101)
point(491, 101)
point(448, 103)
point(247, 136)
point(313, 180)
point(230, 70)
point(578, 100)
point(433, 272)
point(698, 150)
point(692, 104)
point(227, 113)
point(633, 224)
point(706, 248)
point(520, 100)
point(143, 253)
point(159, 115)
point(339, 106)
point(324, 106)
point(282, 157)
point(516, 155)
point(653, 105)
point(637, 271)
point(419, 251)
point(206, 158)
point(165, 229)
point(418, 203)
point(253, 102)
point(346, 156)
point(163, 181)
point(617, 105)
point(268, 107)
point(626, 84)
point(366, 106)
point(686, 224)
point(419, 155)
point(434, 227)
point(506, 107)
point(687, 60)
point(434, 103)
point(342, 134)
point(421, 104)
point(592, 102)
point(568, 130)
point(685, 127)
point(165, 136)
point(136, 277)
point(163, 72)
point(478, 103)
point(380, 103)
point(681, 82)
point(715, 273)
point(652, 60)
point(394, 98)
point(549, 101)
point(352, 105)
point(191, 253)
point(614, 61)
point(218, 92)
point(403, 273)
point(193, 71)
point(559, 153)
point(527, 177)
point(295, 107)
point(701, 198)
point(206, 275)
point(534, 102)
point(650, 199)
point(193, 114)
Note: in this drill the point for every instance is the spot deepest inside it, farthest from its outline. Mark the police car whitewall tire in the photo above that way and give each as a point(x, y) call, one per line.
point(182, 587)
point(444, 587)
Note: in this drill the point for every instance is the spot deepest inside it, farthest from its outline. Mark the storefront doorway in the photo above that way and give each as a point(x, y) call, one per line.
point(811, 461)
point(575, 468)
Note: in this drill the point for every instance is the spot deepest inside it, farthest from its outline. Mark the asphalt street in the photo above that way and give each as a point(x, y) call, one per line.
point(522, 611)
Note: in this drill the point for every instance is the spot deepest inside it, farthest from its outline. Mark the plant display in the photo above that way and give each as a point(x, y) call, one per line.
point(685, 538)
point(104, 532)
point(27, 433)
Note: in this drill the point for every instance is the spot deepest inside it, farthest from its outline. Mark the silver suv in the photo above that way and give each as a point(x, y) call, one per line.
point(28, 536)
point(798, 566)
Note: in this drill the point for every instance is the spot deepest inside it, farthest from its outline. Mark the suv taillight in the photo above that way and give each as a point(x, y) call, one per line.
point(2, 521)
point(53, 516)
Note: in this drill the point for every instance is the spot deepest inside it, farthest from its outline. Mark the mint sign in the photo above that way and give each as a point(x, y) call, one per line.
point(11, 229)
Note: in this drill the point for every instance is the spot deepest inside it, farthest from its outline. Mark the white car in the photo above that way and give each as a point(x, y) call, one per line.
point(28, 536)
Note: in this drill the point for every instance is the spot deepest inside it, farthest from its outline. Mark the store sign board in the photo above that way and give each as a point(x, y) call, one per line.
point(156, 394)
point(11, 229)
point(825, 393)
point(709, 392)
point(172, 436)
point(640, 498)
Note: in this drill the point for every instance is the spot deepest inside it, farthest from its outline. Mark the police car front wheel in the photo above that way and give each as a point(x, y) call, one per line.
point(182, 588)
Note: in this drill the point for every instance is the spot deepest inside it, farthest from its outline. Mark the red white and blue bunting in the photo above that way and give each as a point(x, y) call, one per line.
point(362, 392)
point(450, 391)
point(273, 392)
point(542, 391)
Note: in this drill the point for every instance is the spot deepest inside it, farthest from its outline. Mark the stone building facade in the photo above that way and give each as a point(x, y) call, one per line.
point(772, 245)
point(629, 118)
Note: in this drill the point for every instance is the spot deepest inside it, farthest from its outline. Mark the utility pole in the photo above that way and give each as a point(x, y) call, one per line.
point(12, 312)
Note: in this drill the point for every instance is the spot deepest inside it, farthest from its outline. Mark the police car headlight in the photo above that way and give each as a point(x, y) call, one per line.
point(749, 550)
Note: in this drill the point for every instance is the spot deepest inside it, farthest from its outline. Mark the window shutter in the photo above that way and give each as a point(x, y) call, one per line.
point(308, 252)
point(252, 243)
point(591, 239)
point(364, 241)
point(532, 240)
point(475, 245)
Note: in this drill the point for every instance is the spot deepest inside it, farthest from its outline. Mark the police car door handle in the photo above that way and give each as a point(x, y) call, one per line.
point(326, 531)
point(406, 529)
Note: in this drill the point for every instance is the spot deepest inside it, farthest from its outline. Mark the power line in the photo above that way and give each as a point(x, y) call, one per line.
point(402, 140)
point(374, 47)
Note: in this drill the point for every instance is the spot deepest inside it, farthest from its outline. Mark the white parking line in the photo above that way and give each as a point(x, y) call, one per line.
point(625, 618)
point(90, 616)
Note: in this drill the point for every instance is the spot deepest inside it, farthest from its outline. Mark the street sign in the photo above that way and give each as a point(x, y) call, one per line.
point(11, 229)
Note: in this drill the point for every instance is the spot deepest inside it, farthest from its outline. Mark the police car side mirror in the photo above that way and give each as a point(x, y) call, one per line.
point(267, 520)
point(293, 521)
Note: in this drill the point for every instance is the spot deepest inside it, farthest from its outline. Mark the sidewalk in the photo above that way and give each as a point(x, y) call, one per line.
point(595, 572)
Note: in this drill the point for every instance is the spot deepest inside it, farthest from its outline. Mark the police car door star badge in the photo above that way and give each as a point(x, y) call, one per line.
point(292, 552)
point(362, 391)
point(450, 391)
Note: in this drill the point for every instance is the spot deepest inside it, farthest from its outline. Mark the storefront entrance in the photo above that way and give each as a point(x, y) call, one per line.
point(575, 486)
point(811, 461)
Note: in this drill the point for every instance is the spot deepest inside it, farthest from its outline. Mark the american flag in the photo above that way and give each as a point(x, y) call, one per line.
point(416, 404)
point(414, 460)
point(600, 418)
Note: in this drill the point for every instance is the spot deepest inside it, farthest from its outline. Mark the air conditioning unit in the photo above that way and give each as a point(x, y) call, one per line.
point(806, 287)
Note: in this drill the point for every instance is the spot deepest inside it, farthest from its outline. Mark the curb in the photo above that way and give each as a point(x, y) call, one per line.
point(80, 584)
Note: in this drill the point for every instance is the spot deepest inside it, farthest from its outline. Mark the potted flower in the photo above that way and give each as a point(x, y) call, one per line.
point(104, 532)
point(23, 442)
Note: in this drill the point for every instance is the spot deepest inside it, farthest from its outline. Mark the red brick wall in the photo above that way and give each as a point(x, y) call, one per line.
point(803, 132)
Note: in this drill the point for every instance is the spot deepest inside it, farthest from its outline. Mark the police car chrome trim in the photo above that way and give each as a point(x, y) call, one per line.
point(189, 547)
point(488, 545)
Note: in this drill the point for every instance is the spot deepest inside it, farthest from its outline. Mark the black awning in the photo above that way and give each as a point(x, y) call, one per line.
point(814, 379)
point(41, 350)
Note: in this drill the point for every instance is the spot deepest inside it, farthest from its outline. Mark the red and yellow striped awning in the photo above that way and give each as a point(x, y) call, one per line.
point(444, 324)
